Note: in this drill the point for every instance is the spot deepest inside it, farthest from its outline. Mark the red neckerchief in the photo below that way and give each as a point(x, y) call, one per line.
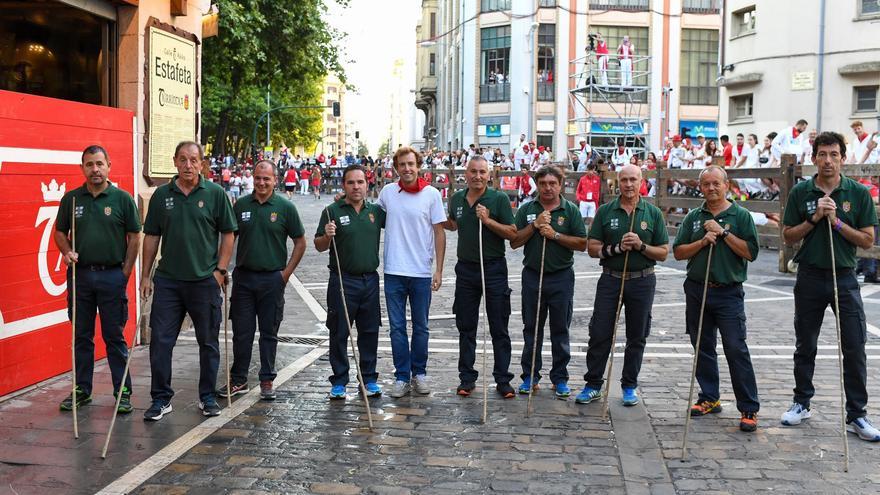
point(863, 136)
point(794, 132)
point(415, 189)
point(739, 149)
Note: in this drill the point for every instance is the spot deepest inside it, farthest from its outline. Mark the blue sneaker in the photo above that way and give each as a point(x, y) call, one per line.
point(588, 394)
point(864, 429)
point(630, 397)
point(373, 389)
point(526, 384)
point(337, 392)
point(562, 390)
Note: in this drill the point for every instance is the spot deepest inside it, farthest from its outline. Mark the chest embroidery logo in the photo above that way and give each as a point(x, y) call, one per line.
point(847, 206)
point(273, 217)
point(201, 204)
point(78, 213)
point(560, 221)
point(108, 210)
point(811, 207)
point(372, 218)
point(169, 203)
point(245, 216)
point(644, 225)
point(696, 225)
point(531, 217)
point(615, 223)
point(344, 220)
point(459, 212)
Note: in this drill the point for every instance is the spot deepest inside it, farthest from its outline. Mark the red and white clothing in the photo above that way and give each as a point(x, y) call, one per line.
point(740, 154)
point(602, 61)
point(587, 194)
point(620, 157)
point(858, 148)
point(625, 57)
point(526, 188)
point(787, 141)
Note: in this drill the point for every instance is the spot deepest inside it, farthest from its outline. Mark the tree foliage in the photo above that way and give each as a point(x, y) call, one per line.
point(284, 45)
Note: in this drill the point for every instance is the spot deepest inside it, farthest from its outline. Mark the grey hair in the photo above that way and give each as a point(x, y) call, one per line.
point(714, 167)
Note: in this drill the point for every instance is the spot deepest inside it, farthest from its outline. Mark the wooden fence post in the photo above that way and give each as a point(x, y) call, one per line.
point(787, 171)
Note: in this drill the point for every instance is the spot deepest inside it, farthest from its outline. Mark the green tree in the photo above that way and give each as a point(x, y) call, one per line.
point(362, 149)
point(282, 44)
point(385, 148)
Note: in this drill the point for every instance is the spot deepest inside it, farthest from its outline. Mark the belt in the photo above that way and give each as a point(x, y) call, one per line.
point(97, 268)
point(354, 275)
point(714, 285)
point(629, 275)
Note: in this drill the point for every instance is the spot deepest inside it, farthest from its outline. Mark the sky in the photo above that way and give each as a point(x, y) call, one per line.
point(378, 32)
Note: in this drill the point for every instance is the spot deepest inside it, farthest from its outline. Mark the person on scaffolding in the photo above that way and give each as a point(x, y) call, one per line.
point(625, 56)
point(602, 59)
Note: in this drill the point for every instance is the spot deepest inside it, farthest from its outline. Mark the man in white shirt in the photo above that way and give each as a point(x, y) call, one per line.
point(789, 141)
point(625, 56)
point(740, 151)
point(873, 149)
point(621, 156)
point(414, 239)
point(808, 148)
point(247, 183)
point(584, 155)
point(859, 149)
point(522, 157)
point(699, 152)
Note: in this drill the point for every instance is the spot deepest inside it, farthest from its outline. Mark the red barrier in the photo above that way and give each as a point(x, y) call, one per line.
point(41, 140)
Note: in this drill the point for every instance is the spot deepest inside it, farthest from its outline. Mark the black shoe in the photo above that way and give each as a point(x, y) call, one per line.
point(209, 407)
point(505, 390)
point(465, 389)
point(157, 410)
point(82, 399)
point(872, 279)
point(237, 389)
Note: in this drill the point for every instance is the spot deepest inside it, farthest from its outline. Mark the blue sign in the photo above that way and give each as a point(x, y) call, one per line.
point(493, 130)
point(616, 128)
point(708, 128)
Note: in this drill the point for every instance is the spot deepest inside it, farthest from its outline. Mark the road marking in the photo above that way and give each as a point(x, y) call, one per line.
point(158, 461)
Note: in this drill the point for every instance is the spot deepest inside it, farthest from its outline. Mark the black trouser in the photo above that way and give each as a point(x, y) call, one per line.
point(257, 299)
point(101, 291)
point(172, 300)
point(364, 313)
point(813, 292)
point(468, 296)
point(725, 311)
point(557, 291)
point(638, 297)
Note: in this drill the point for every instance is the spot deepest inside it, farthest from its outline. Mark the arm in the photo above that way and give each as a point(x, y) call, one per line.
point(632, 241)
point(322, 242)
point(594, 248)
point(133, 245)
point(568, 241)
point(450, 224)
point(688, 251)
point(522, 236)
point(299, 249)
point(63, 243)
point(739, 246)
point(227, 240)
point(440, 254)
point(148, 256)
point(505, 231)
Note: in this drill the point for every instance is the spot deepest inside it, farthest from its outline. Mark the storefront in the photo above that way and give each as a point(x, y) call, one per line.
point(75, 73)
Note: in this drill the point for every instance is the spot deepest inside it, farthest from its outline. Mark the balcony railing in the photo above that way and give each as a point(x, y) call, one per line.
point(494, 92)
point(546, 91)
point(619, 4)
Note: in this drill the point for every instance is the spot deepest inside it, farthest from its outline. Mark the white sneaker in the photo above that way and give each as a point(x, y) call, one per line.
point(400, 389)
point(864, 429)
point(795, 414)
point(421, 384)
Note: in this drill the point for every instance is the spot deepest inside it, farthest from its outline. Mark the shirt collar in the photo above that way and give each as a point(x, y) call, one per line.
point(843, 186)
point(84, 190)
point(731, 210)
point(616, 204)
point(270, 200)
point(173, 184)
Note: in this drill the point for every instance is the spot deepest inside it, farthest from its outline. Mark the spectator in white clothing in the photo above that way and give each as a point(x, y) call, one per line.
point(788, 141)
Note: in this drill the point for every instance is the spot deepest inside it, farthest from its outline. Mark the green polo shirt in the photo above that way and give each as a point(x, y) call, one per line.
point(263, 230)
point(727, 266)
point(465, 216)
point(101, 223)
point(854, 208)
point(190, 228)
point(357, 234)
point(565, 219)
point(612, 222)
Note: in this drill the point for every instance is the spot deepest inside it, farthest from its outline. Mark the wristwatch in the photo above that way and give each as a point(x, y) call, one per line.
point(643, 248)
point(556, 236)
point(221, 270)
point(724, 234)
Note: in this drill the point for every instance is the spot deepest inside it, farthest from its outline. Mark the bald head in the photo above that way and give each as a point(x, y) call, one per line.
point(629, 170)
point(268, 165)
point(715, 172)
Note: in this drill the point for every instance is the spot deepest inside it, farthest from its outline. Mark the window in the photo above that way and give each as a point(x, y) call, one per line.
point(869, 7)
point(545, 140)
point(50, 49)
point(546, 61)
point(493, 5)
point(700, 6)
point(741, 108)
point(547, 3)
point(640, 39)
point(865, 99)
point(699, 66)
point(433, 27)
point(432, 64)
point(331, 89)
point(619, 4)
point(743, 22)
point(495, 64)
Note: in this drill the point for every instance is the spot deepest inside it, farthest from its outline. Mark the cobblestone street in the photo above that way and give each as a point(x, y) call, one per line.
point(303, 443)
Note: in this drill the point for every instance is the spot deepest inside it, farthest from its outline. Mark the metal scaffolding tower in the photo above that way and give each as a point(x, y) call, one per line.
point(608, 110)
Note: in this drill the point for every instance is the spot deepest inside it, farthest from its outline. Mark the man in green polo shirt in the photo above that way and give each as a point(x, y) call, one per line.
point(262, 269)
point(730, 228)
point(356, 226)
point(467, 209)
point(107, 242)
point(610, 240)
point(194, 220)
point(830, 198)
point(559, 221)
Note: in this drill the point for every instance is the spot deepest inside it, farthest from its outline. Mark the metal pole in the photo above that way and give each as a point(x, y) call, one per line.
point(268, 115)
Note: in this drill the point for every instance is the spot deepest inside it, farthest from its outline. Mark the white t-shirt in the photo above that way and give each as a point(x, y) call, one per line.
point(247, 184)
point(409, 229)
point(736, 154)
point(676, 157)
point(785, 142)
point(752, 157)
point(874, 157)
point(858, 149)
point(235, 184)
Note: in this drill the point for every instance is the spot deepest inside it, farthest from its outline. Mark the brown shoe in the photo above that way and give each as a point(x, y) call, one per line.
point(266, 390)
point(749, 422)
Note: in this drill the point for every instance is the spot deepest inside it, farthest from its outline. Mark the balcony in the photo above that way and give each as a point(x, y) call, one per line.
point(546, 91)
point(494, 92)
point(631, 5)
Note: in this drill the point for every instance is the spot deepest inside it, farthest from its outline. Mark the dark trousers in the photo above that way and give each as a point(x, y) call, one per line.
point(257, 299)
point(467, 306)
point(813, 292)
point(557, 292)
point(172, 300)
point(638, 297)
point(362, 301)
point(103, 292)
point(725, 311)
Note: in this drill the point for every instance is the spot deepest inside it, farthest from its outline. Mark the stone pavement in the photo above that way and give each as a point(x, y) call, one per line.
point(303, 443)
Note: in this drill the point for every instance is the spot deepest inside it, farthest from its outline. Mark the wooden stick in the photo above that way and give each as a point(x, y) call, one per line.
point(537, 321)
point(687, 419)
point(485, 326)
point(839, 352)
point(73, 321)
point(614, 328)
